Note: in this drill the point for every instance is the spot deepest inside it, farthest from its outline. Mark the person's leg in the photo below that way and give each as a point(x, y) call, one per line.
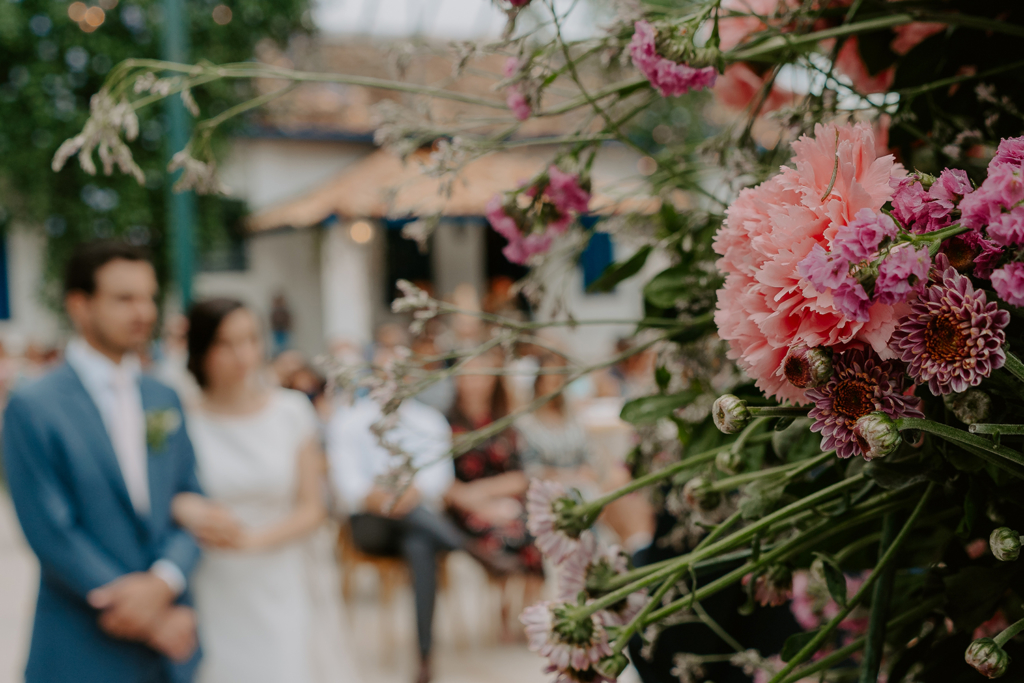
point(420, 552)
point(376, 535)
point(437, 527)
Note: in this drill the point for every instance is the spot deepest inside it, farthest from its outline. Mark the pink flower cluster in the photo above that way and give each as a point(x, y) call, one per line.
point(668, 77)
point(556, 200)
point(766, 306)
point(856, 255)
point(920, 210)
point(516, 98)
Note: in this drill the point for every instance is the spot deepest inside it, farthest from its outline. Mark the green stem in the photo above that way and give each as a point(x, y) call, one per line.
point(1009, 632)
point(965, 439)
point(1002, 430)
point(890, 554)
point(735, 540)
point(875, 645)
point(1014, 366)
point(635, 622)
point(777, 411)
point(791, 470)
point(935, 239)
point(843, 653)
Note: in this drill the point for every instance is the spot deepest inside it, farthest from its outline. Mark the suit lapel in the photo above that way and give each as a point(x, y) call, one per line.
point(159, 461)
point(95, 432)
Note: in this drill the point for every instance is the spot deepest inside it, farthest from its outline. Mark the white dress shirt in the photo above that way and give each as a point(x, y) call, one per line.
point(114, 388)
point(357, 459)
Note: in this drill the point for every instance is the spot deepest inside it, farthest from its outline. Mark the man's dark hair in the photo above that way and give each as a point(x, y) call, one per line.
point(89, 257)
point(204, 320)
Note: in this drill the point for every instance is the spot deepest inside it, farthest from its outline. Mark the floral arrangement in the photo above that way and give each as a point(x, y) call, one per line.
point(835, 435)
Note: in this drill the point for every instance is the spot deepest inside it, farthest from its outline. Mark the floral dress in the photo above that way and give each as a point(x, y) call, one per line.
point(497, 455)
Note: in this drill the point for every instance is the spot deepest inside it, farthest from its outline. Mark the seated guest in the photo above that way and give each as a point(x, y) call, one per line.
point(555, 447)
point(409, 526)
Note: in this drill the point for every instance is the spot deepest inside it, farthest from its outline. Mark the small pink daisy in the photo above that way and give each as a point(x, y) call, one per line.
point(572, 647)
point(544, 499)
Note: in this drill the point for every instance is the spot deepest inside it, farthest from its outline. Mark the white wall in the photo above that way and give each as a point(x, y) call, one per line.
point(287, 262)
point(347, 281)
point(458, 254)
point(31, 319)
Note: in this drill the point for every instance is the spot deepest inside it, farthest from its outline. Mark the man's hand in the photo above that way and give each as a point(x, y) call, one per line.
point(131, 604)
point(174, 634)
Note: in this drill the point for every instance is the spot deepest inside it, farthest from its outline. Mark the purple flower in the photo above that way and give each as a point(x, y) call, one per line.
point(858, 240)
point(904, 270)
point(953, 336)
point(1008, 228)
point(544, 499)
point(668, 78)
point(852, 301)
point(573, 647)
point(861, 384)
point(824, 270)
point(1008, 282)
point(1010, 151)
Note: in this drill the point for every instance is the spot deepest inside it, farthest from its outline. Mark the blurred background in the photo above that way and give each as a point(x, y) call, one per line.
point(306, 236)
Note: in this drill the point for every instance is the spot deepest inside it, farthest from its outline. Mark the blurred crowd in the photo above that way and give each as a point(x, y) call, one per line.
point(474, 503)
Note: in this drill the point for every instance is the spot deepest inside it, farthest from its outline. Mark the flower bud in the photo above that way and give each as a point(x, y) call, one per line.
point(807, 368)
point(876, 435)
point(730, 413)
point(729, 461)
point(987, 657)
point(1005, 544)
point(612, 667)
point(969, 407)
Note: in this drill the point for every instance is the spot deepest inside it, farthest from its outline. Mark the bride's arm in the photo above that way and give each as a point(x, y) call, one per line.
point(213, 525)
point(309, 511)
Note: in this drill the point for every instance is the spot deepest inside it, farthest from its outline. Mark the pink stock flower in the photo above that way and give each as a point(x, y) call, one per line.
point(953, 337)
point(850, 64)
point(668, 78)
point(572, 649)
point(861, 384)
point(952, 185)
point(766, 305)
point(824, 270)
point(858, 240)
point(918, 210)
point(909, 36)
point(542, 499)
point(852, 301)
point(904, 270)
point(1008, 228)
point(1008, 282)
point(1003, 188)
point(1010, 151)
point(515, 98)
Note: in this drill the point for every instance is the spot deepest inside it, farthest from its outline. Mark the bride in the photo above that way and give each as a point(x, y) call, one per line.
point(260, 587)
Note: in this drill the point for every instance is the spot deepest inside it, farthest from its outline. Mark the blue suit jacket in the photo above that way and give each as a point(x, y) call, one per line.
point(76, 514)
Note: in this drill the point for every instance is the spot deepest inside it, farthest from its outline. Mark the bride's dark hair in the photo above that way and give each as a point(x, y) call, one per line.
point(204, 319)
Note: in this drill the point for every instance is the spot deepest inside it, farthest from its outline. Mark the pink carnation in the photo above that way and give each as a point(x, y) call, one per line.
point(1008, 228)
point(766, 306)
point(904, 270)
point(909, 36)
point(858, 240)
point(668, 78)
point(1008, 282)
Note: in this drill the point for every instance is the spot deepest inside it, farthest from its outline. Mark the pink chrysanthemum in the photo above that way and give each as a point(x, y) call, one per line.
point(594, 560)
point(573, 648)
point(861, 384)
point(668, 78)
point(953, 337)
point(1008, 282)
point(542, 501)
point(766, 306)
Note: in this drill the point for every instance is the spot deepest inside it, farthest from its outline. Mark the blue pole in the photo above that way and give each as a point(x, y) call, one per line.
point(181, 206)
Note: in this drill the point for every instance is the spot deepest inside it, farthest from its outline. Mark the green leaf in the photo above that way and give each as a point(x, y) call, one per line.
point(795, 643)
point(834, 578)
point(662, 376)
point(893, 477)
point(617, 272)
point(650, 409)
point(669, 286)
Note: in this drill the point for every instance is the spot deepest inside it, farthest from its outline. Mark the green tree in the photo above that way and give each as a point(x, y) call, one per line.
point(53, 58)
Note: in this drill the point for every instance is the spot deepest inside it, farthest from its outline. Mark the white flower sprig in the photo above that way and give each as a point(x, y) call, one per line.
point(108, 119)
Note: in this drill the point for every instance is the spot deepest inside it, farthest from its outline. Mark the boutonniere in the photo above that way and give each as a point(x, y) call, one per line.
point(160, 424)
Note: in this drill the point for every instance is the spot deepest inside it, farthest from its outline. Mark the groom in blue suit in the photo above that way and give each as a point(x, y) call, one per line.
point(94, 454)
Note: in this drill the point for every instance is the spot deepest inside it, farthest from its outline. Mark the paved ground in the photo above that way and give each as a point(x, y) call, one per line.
point(468, 648)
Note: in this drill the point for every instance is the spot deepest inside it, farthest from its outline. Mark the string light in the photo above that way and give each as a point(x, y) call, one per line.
point(222, 14)
point(76, 11)
point(361, 232)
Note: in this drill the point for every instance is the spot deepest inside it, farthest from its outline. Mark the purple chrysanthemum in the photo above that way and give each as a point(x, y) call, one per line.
point(861, 383)
point(953, 337)
point(573, 648)
point(542, 500)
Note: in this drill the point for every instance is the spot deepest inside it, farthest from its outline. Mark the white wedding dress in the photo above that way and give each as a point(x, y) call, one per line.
point(271, 616)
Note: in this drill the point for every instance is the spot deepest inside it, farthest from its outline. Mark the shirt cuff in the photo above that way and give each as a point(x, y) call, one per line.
point(171, 575)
